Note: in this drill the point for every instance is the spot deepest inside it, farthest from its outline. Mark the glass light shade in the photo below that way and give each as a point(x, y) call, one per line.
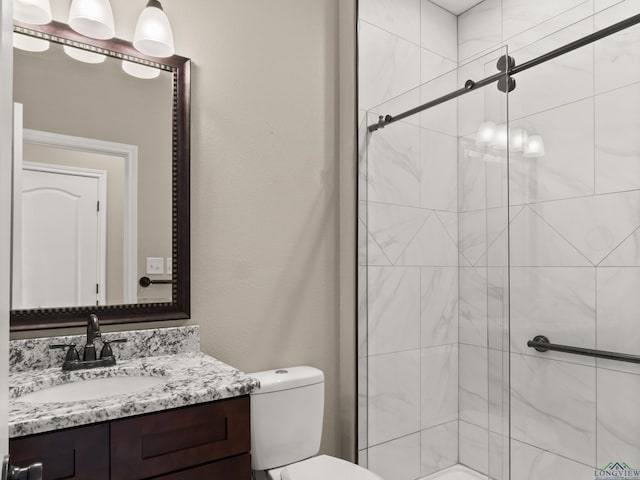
point(153, 35)
point(92, 18)
point(518, 139)
point(35, 12)
point(485, 134)
point(140, 71)
point(501, 138)
point(30, 44)
point(534, 147)
point(83, 55)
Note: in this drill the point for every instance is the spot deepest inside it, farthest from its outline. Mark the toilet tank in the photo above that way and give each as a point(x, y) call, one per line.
point(286, 416)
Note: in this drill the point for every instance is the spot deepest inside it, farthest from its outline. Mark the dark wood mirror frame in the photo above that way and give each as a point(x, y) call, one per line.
point(179, 307)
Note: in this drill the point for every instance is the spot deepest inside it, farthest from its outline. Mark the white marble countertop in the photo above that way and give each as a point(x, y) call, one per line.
point(192, 378)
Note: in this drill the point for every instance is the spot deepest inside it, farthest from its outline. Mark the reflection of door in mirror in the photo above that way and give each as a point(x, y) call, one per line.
point(62, 255)
point(101, 105)
point(60, 231)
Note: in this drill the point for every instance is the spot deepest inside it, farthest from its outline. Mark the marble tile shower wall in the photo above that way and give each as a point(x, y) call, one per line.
point(574, 238)
point(408, 223)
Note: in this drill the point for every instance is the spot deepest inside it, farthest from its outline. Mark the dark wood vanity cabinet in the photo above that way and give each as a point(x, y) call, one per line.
point(75, 453)
point(207, 441)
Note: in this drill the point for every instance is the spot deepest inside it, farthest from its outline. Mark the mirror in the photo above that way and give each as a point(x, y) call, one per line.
point(101, 181)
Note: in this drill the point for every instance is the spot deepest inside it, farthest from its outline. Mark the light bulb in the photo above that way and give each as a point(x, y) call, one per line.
point(153, 35)
point(501, 138)
point(140, 71)
point(92, 18)
point(35, 12)
point(534, 147)
point(518, 139)
point(84, 55)
point(485, 134)
point(30, 44)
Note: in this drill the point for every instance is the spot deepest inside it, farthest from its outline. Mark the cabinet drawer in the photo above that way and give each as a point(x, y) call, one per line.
point(77, 453)
point(235, 468)
point(154, 444)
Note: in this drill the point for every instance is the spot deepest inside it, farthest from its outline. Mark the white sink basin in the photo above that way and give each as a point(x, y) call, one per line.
point(93, 389)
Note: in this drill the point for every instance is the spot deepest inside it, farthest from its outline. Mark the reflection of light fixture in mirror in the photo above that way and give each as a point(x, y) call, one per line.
point(84, 55)
point(92, 18)
point(153, 35)
point(485, 134)
point(140, 71)
point(500, 140)
point(30, 44)
point(534, 147)
point(518, 139)
point(36, 12)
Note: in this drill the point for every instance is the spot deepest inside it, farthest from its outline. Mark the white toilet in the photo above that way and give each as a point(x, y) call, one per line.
point(286, 426)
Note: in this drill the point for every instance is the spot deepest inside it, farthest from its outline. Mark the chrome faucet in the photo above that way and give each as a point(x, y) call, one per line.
point(93, 332)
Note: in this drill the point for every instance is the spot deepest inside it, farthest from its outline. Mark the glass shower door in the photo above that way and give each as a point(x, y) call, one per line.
point(574, 238)
point(433, 210)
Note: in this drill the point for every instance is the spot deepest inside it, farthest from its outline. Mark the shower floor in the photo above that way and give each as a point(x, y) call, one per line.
point(457, 472)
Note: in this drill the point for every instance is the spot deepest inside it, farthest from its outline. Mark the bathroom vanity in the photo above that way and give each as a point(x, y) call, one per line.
point(191, 421)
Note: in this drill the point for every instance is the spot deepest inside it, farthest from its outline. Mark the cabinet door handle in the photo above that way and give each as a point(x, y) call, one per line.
point(32, 472)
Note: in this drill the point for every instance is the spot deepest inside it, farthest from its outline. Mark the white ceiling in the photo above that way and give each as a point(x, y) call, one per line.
point(457, 6)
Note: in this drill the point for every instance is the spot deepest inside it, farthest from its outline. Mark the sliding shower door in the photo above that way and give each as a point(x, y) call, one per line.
point(575, 255)
point(433, 282)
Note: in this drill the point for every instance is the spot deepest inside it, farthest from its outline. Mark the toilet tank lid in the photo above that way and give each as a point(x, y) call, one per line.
point(286, 378)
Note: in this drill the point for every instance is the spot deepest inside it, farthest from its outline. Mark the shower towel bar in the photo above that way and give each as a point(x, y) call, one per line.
point(542, 344)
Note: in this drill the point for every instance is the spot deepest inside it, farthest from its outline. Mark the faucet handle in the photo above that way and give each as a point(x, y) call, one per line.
point(72, 353)
point(106, 347)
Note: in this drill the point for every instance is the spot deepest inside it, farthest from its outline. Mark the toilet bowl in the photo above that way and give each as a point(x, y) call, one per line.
point(286, 427)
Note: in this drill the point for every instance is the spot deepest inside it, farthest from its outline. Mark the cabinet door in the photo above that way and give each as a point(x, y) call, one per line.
point(74, 454)
point(235, 468)
point(171, 441)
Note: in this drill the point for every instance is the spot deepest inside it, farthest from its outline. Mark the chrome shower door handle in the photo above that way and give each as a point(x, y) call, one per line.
point(32, 472)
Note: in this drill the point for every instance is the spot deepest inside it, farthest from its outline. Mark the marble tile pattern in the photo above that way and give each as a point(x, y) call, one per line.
point(398, 459)
point(474, 447)
point(439, 447)
point(553, 406)
point(532, 463)
point(35, 354)
point(192, 378)
point(572, 244)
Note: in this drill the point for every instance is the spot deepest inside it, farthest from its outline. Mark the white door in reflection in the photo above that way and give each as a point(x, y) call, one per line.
point(63, 255)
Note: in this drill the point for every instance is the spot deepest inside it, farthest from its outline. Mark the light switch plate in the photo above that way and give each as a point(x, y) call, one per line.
point(155, 265)
point(169, 266)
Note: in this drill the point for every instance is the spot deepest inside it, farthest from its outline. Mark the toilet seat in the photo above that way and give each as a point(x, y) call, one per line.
point(324, 467)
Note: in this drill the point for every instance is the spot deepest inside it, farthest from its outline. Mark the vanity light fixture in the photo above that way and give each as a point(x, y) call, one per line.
point(92, 18)
point(153, 35)
point(501, 137)
point(140, 71)
point(534, 147)
point(30, 44)
point(35, 12)
point(518, 138)
point(500, 140)
point(84, 55)
point(485, 134)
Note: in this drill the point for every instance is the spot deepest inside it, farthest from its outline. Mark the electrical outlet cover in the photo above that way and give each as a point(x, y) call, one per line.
point(155, 265)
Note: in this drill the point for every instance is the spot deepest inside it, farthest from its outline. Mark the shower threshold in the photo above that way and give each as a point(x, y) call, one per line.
point(457, 472)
